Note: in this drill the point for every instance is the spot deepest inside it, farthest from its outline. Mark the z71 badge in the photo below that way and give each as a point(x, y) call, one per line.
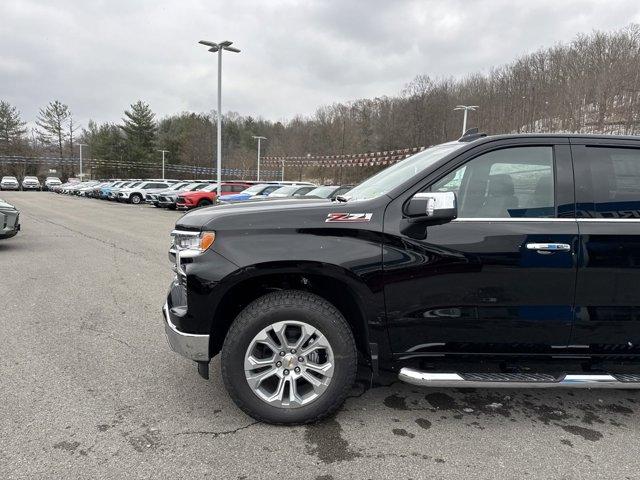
point(349, 217)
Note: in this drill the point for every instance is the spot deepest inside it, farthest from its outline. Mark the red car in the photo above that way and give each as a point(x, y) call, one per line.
point(207, 195)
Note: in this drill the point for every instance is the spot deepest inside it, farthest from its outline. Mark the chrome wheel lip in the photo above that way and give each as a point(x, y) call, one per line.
point(291, 364)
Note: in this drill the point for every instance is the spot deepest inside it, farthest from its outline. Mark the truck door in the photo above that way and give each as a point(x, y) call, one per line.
point(501, 277)
point(608, 208)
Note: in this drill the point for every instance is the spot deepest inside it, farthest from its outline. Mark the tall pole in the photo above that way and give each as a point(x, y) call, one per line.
point(258, 170)
point(219, 142)
point(217, 48)
point(282, 175)
point(81, 145)
point(163, 152)
point(464, 121)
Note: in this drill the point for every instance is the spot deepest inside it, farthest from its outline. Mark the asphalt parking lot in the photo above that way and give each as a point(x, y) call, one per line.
point(90, 389)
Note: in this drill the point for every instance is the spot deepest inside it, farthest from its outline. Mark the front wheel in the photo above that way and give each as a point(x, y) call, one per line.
point(289, 358)
point(136, 199)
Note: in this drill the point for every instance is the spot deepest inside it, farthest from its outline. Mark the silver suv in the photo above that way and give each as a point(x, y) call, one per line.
point(31, 183)
point(9, 183)
point(135, 193)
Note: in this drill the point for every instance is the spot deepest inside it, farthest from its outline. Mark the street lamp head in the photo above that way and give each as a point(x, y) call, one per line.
point(224, 45)
point(258, 137)
point(208, 43)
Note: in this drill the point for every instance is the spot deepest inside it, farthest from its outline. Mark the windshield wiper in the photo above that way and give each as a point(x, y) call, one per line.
point(342, 198)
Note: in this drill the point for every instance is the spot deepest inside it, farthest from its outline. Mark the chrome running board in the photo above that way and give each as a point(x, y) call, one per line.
point(516, 380)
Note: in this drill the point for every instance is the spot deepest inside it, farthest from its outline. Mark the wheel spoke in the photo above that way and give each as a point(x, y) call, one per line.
point(320, 342)
point(256, 379)
point(326, 369)
point(305, 334)
point(279, 392)
point(252, 363)
point(279, 329)
point(265, 339)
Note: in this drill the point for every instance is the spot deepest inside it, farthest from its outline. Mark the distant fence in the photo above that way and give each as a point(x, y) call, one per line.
point(386, 157)
point(93, 163)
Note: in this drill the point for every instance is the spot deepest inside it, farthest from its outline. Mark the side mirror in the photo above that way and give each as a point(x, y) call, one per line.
point(438, 207)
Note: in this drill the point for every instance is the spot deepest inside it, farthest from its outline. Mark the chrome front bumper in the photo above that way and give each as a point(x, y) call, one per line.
point(192, 346)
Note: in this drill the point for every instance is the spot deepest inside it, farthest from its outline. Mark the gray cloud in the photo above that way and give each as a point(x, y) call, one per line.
point(100, 56)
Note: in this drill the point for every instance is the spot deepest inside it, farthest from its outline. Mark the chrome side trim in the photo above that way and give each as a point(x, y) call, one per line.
point(192, 346)
point(523, 219)
point(427, 379)
point(544, 219)
point(608, 220)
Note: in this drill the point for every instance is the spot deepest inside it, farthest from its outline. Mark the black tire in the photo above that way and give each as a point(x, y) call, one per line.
point(204, 203)
point(136, 199)
point(287, 305)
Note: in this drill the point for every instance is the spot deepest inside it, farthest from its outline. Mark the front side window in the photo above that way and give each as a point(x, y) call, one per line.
point(509, 183)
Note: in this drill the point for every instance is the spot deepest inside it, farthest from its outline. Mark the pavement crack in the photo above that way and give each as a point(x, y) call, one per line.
point(84, 326)
point(218, 434)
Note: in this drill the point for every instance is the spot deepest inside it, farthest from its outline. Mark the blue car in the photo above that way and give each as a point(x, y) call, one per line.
point(104, 191)
point(254, 191)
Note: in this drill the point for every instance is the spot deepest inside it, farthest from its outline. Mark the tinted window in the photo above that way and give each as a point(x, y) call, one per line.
point(612, 176)
point(508, 183)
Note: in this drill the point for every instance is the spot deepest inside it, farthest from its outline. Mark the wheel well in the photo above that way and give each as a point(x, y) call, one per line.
point(334, 291)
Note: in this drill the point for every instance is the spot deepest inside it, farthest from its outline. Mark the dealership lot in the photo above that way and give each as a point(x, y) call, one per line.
point(90, 389)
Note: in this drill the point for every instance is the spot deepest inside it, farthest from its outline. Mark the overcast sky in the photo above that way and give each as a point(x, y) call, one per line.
point(100, 56)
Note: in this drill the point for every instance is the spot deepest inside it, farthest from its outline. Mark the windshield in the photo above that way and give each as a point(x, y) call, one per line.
point(389, 178)
point(284, 192)
point(254, 189)
point(210, 188)
point(323, 192)
point(177, 186)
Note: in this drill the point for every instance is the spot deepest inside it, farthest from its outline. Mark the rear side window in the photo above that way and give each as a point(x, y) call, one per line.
point(513, 182)
point(608, 182)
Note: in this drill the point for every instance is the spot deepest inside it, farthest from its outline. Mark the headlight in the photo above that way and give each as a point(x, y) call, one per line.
point(193, 241)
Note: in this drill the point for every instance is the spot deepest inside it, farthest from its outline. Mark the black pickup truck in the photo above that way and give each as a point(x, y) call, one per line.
point(497, 261)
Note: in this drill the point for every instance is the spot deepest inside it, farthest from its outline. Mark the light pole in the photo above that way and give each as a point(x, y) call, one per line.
point(163, 152)
point(282, 175)
point(258, 138)
point(219, 47)
point(466, 109)
point(81, 145)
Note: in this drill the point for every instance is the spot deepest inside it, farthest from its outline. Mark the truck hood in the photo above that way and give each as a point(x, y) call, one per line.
point(209, 217)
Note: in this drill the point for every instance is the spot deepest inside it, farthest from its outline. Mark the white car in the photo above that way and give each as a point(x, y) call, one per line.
point(135, 193)
point(31, 183)
point(9, 183)
point(51, 182)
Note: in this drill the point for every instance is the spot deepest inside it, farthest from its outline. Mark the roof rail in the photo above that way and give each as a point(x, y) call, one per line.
point(471, 134)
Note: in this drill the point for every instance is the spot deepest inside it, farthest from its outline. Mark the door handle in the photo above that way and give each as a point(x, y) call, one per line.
point(549, 247)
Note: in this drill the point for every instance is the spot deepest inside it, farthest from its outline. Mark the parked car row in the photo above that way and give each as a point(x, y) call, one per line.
point(188, 194)
point(29, 182)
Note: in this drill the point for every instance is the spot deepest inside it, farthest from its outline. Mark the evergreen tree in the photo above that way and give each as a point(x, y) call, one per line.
point(140, 131)
point(53, 122)
point(12, 128)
